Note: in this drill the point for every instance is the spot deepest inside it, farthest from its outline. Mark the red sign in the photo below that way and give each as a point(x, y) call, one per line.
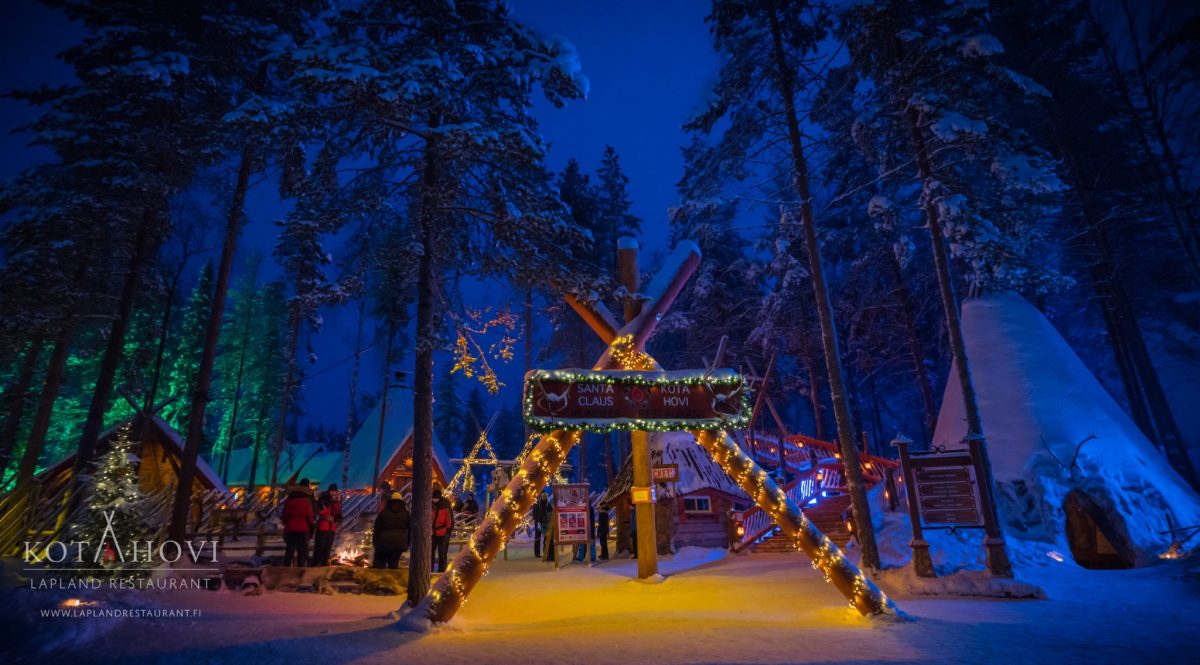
point(605, 401)
point(665, 473)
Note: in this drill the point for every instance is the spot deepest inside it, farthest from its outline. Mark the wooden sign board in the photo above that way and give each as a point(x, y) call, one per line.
point(605, 401)
point(572, 514)
point(665, 473)
point(945, 490)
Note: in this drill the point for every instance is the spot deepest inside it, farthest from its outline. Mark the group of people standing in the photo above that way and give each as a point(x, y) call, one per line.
point(307, 516)
point(393, 533)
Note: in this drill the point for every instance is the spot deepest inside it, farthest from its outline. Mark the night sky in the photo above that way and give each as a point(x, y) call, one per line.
point(649, 64)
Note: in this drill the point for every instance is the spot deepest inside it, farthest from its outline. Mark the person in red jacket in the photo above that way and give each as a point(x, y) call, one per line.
point(443, 522)
point(326, 528)
point(299, 520)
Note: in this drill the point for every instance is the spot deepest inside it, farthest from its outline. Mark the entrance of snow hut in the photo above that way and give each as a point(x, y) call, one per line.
point(1093, 536)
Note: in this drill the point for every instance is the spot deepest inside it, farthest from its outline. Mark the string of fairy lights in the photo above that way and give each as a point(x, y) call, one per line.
point(641, 370)
point(450, 591)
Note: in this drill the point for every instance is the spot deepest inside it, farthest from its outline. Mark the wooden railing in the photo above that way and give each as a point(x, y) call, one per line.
point(808, 485)
point(816, 466)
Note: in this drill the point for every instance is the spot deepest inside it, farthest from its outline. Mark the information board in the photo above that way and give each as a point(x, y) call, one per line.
point(946, 490)
point(572, 514)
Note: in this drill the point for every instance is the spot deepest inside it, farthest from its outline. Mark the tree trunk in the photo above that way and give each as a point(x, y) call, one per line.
point(17, 393)
point(528, 351)
point(420, 563)
point(811, 367)
point(800, 178)
point(352, 410)
point(1160, 408)
point(285, 400)
point(383, 403)
point(163, 335)
point(908, 314)
point(250, 482)
point(256, 453)
point(876, 415)
point(237, 399)
point(998, 561)
point(1158, 125)
point(608, 459)
point(1148, 402)
point(45, 406)
point(1187, 236)
point(212, 335)
point(114, 350)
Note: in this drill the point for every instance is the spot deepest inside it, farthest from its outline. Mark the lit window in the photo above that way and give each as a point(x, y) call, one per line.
point(697, 504)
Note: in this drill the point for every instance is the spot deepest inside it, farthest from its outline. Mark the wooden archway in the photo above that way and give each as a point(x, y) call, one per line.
point(626, 351)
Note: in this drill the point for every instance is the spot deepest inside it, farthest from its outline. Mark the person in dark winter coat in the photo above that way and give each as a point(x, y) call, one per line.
point(602, 531)
point(336, 498)
point(385, 492)
point(326, 528)
point(540, 510)
point(299, 520)
point(548, 552)
point(391, 534)
point(471, 508)
point(443, 523)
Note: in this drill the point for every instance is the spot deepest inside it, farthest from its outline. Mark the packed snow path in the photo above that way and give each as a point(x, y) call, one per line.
point(762, 608)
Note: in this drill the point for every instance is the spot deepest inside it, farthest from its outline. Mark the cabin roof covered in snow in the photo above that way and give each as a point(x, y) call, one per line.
point(397, 427)
point(697, 470)
point(170, 438)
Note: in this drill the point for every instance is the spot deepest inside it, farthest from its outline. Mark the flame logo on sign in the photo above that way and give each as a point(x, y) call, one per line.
point(637, 398)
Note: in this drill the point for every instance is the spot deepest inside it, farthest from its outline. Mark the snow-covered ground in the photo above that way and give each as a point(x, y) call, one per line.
point(712, 608)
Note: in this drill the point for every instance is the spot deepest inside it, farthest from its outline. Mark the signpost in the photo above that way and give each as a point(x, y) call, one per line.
point(603, 401)
point(944, 492)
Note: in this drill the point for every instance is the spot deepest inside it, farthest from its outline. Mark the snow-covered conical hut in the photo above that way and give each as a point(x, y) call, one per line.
point(1069, 463)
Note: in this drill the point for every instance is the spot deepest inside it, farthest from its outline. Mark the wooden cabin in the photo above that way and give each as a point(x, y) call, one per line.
point(324, 467)
point(159, 449)
point(698, 505)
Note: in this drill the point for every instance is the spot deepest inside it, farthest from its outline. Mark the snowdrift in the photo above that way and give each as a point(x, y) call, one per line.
point(1057, 439)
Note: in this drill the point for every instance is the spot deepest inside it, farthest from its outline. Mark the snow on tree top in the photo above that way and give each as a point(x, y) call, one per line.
point(953, 124)
point(980, 46)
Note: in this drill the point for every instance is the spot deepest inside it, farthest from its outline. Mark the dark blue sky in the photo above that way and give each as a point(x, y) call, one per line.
point(649, 65)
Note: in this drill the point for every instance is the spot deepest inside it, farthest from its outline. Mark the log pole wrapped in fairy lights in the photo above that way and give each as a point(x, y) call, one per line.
point(501, 519)
point(826, 557)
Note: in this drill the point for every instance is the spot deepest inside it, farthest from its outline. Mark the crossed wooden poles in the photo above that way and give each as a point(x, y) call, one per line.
point(625, 351)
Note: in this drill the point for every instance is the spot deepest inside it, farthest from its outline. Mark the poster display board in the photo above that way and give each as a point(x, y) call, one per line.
point(572, 514)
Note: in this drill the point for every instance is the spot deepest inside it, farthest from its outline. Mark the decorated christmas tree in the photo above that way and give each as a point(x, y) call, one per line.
point(111, 517)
